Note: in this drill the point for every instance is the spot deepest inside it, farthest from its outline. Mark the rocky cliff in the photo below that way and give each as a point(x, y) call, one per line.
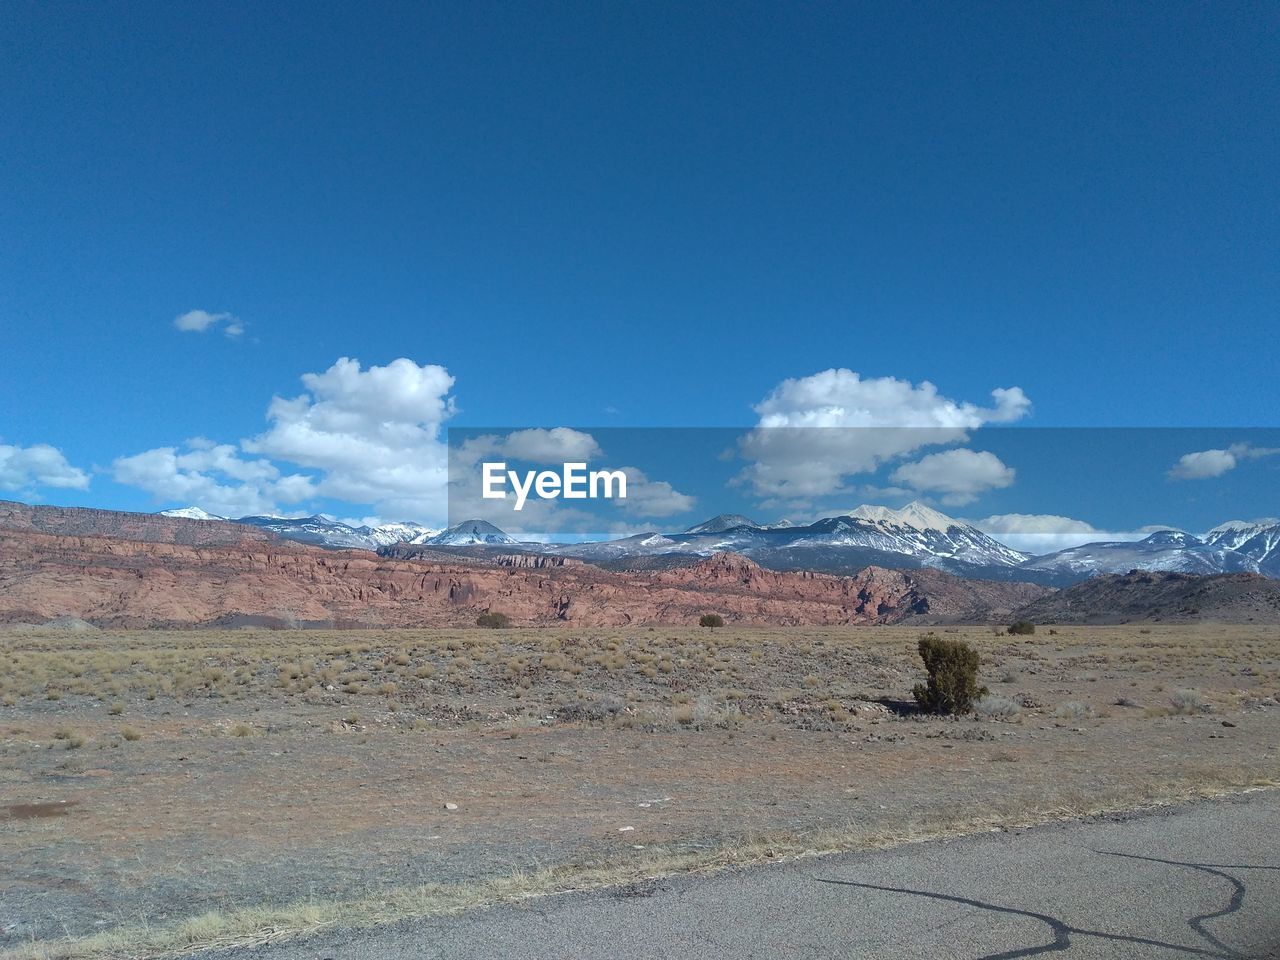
point(161, 579)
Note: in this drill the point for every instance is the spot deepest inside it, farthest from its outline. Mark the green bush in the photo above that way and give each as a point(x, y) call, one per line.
point(711, 620)
point(1022, 627)
point(953, 676)
point(493, 620)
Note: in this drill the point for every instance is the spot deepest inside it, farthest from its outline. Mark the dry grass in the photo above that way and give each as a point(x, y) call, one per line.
point(736, 699)
point(437, 675)
point(245, 928)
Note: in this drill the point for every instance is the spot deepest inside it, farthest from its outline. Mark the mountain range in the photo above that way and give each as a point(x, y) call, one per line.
point(130, 570)
point(322, 531)
point(914, 536)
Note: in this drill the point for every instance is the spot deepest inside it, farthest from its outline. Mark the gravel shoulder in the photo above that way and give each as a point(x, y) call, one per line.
point(1199, 880)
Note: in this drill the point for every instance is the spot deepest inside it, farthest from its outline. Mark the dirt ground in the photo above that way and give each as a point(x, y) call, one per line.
point(151, 777)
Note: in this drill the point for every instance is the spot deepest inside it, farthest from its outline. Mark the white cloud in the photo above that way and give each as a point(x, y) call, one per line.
point(536, 445)
point(366, 436)
point(540, 519)
point(214, 477)
point(1204, 464)
point(198, 321)
point(373, 434)
point(959, 476)
point(1040, 533)
point(653, 498)
point(26, 469)
point(815, 432)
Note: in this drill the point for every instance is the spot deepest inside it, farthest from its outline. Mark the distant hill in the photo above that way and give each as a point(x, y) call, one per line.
point(1170, 550)
point(141, 571)
point(1158, 596)
point(145, 527)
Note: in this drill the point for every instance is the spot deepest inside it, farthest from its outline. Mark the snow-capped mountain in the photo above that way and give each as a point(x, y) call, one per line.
point(914, 536)
point(470, 533)
point(725, 521)
point(1256, 539)
point(190, 513)
point(318, 530)
point(405, 531)
point(1170, 550)
point(322, 531)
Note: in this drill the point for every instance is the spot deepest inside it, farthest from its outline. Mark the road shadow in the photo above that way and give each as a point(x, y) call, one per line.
point(1062, 932)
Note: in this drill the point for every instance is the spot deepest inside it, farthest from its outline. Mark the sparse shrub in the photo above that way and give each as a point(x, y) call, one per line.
point(425, 671)
point(1022, 628)
point(130, 734)
point(711, 620)
point(1073, 710)
point(992, 707)
point(69, 738)
point(683, 714)
point(116, 709)
point(953, 676)
point(1188, 702)
point(493, 620)
point(241, 730)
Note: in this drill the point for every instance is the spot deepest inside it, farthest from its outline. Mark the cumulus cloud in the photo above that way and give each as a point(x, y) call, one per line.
point(365, 436)
point(26, 469)
point(213, 476)
point(653, 498)
point(958, 476)
point(374, 434)
point(538, 519)
point(815, 432)
point(534, 445)
point(199, 321)
point(1040, 533)
point(1204, 464)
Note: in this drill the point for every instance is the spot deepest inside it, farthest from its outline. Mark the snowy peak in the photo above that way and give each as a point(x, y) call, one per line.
point(1257, 539)
point(405, 531)
point(469, 533)
point(190, 513)
point(723, 522)
point(325, 531)
point(1237, 527)
point(915, 515)
point(1172, 538)
point(1168, 550)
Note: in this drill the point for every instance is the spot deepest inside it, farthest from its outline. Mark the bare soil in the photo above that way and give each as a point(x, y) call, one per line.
point(149, 777)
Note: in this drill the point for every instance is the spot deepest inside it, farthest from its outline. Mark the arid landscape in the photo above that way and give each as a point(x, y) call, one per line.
point(500, 481)
point(165, 789)
point(214, 736)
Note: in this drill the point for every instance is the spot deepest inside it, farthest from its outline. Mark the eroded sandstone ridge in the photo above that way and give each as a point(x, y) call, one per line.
point(135, 570)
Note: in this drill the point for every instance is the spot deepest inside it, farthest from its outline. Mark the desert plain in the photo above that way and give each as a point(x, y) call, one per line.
point(164, 791)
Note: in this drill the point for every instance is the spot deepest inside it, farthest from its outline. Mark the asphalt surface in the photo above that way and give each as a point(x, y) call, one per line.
point(1197, 881)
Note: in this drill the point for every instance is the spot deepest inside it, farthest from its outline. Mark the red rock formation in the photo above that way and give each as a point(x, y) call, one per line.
point(184, 573)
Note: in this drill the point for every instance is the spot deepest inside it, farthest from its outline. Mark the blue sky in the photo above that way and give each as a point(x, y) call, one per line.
point(608, 214)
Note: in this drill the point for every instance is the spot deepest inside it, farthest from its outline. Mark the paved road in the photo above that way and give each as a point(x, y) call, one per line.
point(1199, 881)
